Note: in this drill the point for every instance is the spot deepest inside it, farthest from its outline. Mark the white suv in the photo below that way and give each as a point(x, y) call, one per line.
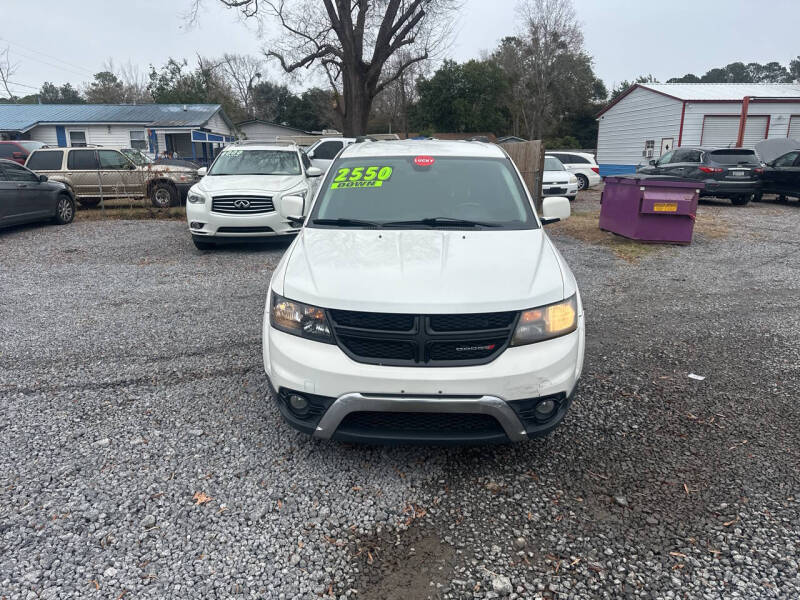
point(582, 165)
point(249, 192)
point(423, 302)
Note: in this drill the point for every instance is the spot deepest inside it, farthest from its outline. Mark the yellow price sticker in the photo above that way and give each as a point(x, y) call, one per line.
point(665, 207)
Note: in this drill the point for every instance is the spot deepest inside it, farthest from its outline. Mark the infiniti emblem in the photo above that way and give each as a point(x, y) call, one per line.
point(241, 203)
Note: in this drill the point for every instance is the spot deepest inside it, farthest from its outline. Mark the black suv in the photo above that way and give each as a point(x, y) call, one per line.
point(726, 172)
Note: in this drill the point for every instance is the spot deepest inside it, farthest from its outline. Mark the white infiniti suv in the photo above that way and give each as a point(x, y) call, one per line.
point(246, 194)
point(423, 302)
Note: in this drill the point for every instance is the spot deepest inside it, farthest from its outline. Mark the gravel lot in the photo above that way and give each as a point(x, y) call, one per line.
point(143, 458)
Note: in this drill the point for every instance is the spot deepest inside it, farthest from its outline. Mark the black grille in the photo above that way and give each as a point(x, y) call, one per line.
point(242, 205)
point(422, 340)
point(419, 423)
point(244, 230)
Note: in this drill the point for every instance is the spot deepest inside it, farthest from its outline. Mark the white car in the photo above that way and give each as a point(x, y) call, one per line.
point(249, 192)
point(324, 150)
point(582, 165)
point(423, 302)
point(557, 181)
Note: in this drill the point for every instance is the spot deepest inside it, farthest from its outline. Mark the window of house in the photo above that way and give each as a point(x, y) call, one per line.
point(649, 146)
point(138, 139)
point(77, 139)
point(82, 160)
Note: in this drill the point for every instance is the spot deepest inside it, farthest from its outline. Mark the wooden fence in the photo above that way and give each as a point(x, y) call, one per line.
point(529, 158)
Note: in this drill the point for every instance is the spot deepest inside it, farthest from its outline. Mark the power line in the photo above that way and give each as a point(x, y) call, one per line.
point(72, 66)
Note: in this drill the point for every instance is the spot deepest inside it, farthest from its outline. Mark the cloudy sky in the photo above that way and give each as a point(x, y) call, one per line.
point(67, 41)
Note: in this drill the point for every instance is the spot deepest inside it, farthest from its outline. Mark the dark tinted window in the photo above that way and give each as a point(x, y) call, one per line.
point(562, 157)
point(787, 160)
point(110, 159)
point(82, 160)
point(2, 174)
point(666, 158)
point(733, 156)
point(18, 173)
point(574, 159)
point(328, 150)
point(682, 155)
point(45, 160)
point(6, 150)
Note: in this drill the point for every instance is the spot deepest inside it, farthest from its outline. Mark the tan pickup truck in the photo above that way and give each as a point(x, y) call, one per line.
point(96, 173)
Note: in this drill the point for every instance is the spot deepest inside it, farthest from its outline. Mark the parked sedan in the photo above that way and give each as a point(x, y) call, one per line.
point(557, 181)
point(725, 172)
point(782, 176)
point(26, 197)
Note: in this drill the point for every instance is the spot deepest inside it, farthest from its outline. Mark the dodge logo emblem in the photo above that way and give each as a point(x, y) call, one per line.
point(241, 203)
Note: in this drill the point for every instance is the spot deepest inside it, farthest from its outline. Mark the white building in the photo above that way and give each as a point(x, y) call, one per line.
point(258, 129)
point(650, 119)
point(193, 131)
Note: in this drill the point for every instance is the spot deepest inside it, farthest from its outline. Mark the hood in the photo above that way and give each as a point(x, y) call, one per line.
point(249, 183)
point(553, 176)
point(430, 271)
point(770, 149)
point(169, 168)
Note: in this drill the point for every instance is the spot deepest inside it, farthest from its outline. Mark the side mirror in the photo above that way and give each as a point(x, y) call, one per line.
point(201, 172)
point(42, 178)
point(313, 171)
point(555, 209)
point(652, 162)
point(292, 208)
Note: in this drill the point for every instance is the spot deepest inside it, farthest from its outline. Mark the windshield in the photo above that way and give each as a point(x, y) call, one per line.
point(402, 191)
point(551, 163)
point(137, 157)
point(733, 156)
point(256, 162)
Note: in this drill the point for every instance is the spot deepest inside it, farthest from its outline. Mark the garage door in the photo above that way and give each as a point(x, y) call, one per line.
point(723, 130)
point(794, 127)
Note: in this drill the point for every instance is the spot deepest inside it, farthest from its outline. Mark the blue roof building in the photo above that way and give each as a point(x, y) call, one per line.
point(196, 131)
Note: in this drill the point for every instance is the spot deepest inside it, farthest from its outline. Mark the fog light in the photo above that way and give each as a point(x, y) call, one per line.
point(196, 225)
point(298, 404)
point(545, 409)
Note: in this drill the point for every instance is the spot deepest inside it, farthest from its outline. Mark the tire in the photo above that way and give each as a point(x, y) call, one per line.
point(88, 202)
point(741, 199)
point(65, 210)
point(163, 195)
point(758, 197)
point(202, 244)
point(583, 181)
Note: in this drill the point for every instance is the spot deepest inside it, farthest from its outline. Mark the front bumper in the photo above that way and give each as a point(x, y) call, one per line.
point(504, 389)
point(569, 189)
point(218, 225)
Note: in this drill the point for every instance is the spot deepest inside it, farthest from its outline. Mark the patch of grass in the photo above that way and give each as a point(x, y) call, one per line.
point(129, 209)
point(584, 226)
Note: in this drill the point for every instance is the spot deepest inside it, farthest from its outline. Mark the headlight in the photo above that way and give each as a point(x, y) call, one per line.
point(302, 193)
point(195, 198)
point(299, 319)
point(546, 322)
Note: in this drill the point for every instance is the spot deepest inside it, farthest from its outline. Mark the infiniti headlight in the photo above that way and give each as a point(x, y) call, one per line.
point(195, 198)
point(299, 319)
point(546, 322)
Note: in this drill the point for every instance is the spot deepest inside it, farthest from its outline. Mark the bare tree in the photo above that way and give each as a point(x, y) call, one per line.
point(242, 72)
point(7, 70)
point(352, 42)
point(393, 102)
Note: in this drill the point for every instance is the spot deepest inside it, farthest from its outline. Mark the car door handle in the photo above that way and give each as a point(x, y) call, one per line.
point(22, 185)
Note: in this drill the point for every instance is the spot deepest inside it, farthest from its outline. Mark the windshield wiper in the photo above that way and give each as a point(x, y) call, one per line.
point(439, 221)
point(346, 222)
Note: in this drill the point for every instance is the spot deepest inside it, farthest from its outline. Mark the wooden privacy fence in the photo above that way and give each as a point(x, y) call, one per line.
point(529, 158)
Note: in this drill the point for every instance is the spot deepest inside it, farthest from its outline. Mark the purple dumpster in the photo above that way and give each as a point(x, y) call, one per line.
point(650, 208)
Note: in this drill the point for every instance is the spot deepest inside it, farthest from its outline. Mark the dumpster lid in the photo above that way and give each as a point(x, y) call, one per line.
point(668, 180)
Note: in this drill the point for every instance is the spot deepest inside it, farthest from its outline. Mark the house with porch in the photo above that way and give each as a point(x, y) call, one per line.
point(193, 131)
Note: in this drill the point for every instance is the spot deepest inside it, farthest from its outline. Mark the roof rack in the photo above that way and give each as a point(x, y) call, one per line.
point(275, 140)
